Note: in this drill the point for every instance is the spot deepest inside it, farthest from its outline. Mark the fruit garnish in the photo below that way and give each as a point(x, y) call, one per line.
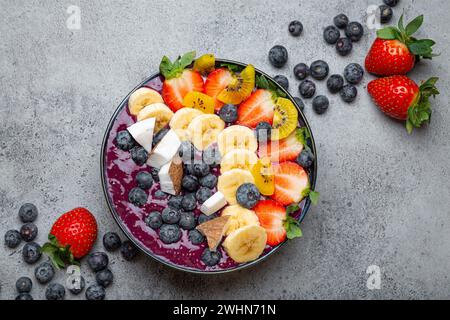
point(205, 129)
point(246, 244)
point(205, 64)
point(401, 98)
point(216, 82)
point(236, 137)
point(238, 159)
point(264, 177)
point(291, 181)
point(286, 149)
point(178, 80)
point(160, 112)
point(263, 83)
point(231, 180)
point(240, 87)
point(395, 51)
point(239, 217)
point(214, 230)
point(71, 237)
point(257, 108)
point(141, 98)
point(199, 101)
point(181, 120)
point(285, 119)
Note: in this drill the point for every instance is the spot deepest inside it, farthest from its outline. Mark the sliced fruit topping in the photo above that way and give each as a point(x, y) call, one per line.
point(246, 244)
point(160, 112)
point(181, 120)
point(205, 129)
point(216, 82)
point(257, 108)
point(285, 119)
point(286, 149)
point(239, 217)
point(238, 159)
point(165, 150)
point(240, 87)
point(231, 180)
point(199, 101)
point(141, 98)
point(205, 64)
point(237, 137)
point(216, 202)
point(142, 132)
point(214, 230)
point(291, 181)
point(264, 177)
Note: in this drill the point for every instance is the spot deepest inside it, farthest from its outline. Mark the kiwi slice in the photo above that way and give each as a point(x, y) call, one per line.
point(240, 88)
point(285, 119)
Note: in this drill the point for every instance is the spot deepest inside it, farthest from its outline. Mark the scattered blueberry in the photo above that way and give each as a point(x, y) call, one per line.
point(209, 181)
point(203, 194)
point(299, 102)
point(201, 169)
point(139, 155)
point(307, 89)
point(189, 202)
point(278, 56)
point(196, 237)
point(154, 172)
point(228, 113)
point(282, 81)
point(202, 218)
point(305, 158)
point(320, 104)
point(128, 250)
point(55, 291)
point(170, 215)
point(31, 252)
point(138, 197)
point(124, 141)
point(211, 258)
point(385, 13)
point(344, 46)
point(301, 71)
point(335, 83)
point(44, 272)
point(211, 155)
point(160, 195)
point(77, 285)
point(159, 136)
point(169, 233)
point(98, 261)
point(295, 28)
point(144, 180)
point(28, 232)
point(341, 21)
point(28, 212)
point(190, 183)
point(24, 296)
point(354, 31)
point(187, 221)
point(12, 238)
point(175, 202)
point(95, 292)
point(111, 241)
point(248, 195)
point(391, 3)
point(24, 285)
point(348, 93)
point(263, 131)
point(319, 69)
point(154, 220)
point(331, 34)
point(187, 152)
point(353, 73)
point(104, 277)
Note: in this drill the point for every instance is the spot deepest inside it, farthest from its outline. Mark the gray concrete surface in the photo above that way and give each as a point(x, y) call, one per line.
point(385, 195)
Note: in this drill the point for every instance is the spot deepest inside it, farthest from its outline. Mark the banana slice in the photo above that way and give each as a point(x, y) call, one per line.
point(246, 244)
point(204, 130)
point(237, 137)
point(239, 217)
point(181, 120)
point(141, 98)
point(238, 159)
point(231, 180)
point(160, 111)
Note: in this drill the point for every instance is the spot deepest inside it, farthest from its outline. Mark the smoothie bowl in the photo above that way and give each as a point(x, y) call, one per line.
point(209, 166)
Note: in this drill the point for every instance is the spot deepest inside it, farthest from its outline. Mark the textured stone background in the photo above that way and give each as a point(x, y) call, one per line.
point(385, 195)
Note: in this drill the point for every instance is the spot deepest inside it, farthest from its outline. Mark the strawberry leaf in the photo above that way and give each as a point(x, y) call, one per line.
point(292, 228)
point(388, 33)
point(420, 112)
point(401, 26)
point(414, 25)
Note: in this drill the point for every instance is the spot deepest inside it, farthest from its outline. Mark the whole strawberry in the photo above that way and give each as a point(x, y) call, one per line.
point(71, 237)
point(401, 98)
point(395, 51)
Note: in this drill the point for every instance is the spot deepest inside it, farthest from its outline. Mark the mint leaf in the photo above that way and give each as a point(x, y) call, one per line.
point(314, 197)
point(292, 228)
point(262, 82)
point(172, 70)
point(231, 67)
point(303, 135)
point(187, 59)
point(388, 33)
point(414, 25)
point(292, 208)
point(165, 66)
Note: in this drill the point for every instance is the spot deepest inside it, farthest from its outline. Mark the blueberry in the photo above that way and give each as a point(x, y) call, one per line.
point(44, 272)
point(278, 56)
point(12, 238)
point(228, 113)
point(154, 220)
point(341, 21)
point(76, 285)
point(28, 213)
point(170, 215)
point(282, 81)
point(24, 285)
point(169, 233)
point(187, 221)
point(160, 194)
point(187, 152)
point(348, 93)
point(353, 73)
point(189, 168)
point(196, 237)
point(248, 195)
point(385, 13)
point(24, 296)
point(354, 31)
point(111, 241)
point(139, 155)
point(299, 102)
point(335, 83)
point(307, 89)
point(344, 46)
point(128, 250)
point(319, 69)
point(28, 232)
point(144, 180)
point(154, 172)
point(98, 261)
point(31, 252)
point(320, 104)
point(209, 181)
point(95, 292)
point(190, 183)
point(295, 28)
point(138, 197)
point(301, 71)
point(55, 291)
point(159, 136)
point(263, 131)
point(124, 141)
point(391, 3)
point(305, 158)
point(203, 194)
point(211, 258)
point(201, 169)
point(331, 34)
point(104, 277)
point(202, 218)
point(189, 203)
point(175, 202)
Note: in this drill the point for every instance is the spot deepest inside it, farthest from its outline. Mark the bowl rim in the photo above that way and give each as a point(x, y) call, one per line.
point(129, 235)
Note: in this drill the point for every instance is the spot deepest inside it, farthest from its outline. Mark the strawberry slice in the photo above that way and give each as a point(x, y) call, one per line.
point(286, 149)
point(291, 183)
point(216, 82)
point(271, 217)
point(257, 108)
